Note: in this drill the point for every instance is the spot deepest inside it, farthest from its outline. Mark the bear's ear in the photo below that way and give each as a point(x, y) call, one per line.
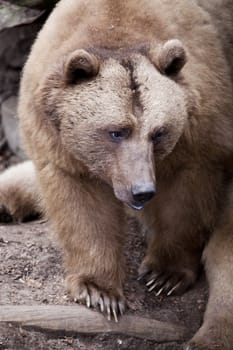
point(80, 65)
point(171, 57)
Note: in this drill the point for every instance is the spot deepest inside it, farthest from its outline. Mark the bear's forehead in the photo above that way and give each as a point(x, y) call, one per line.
point(139, 94)
point(128, 89)
point(123, 65)
point(119, 53)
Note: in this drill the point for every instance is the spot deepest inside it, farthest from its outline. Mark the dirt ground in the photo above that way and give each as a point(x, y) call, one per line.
point(31, 274)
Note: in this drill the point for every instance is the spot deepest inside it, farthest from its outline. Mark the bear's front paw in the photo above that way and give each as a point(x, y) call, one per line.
point(109, 301)
point(167, 281)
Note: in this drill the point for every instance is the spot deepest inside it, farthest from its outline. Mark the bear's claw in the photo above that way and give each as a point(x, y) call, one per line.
point(165, 284)
point(168, 283)
point(112, 306)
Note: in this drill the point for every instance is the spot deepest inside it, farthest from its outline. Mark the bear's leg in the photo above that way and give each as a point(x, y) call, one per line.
point(89, 223)
point(217, 329)
point(19, 194)
point(179, 220)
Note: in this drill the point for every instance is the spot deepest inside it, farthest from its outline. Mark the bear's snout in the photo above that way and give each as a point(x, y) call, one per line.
point(142, 193)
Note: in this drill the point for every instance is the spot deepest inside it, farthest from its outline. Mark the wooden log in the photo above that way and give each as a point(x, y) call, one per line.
point(78, 319)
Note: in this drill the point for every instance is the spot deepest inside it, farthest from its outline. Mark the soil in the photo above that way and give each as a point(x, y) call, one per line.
point(31, 273)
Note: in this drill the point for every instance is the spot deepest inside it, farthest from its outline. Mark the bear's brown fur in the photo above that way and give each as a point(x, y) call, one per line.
point(118, 99)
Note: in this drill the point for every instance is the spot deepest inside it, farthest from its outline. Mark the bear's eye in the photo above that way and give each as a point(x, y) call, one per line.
point(119, 135)
point(158, 135)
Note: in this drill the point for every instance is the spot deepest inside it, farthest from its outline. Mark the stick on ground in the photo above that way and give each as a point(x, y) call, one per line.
point(80, 320)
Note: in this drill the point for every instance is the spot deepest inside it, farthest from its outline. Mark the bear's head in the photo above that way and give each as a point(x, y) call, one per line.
point(119, 111)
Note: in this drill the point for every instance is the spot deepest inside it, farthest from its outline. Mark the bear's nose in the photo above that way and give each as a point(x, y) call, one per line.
point(143, 193)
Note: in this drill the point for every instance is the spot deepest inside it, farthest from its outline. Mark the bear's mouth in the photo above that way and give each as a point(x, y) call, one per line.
point(136, 206)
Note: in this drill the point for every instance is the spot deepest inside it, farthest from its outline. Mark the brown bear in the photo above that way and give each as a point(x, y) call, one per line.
point(130, 103)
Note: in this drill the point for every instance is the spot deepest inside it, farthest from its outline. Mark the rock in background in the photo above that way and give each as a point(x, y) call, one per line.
point(20, 22)
point(39, 4)
point(10, 126)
